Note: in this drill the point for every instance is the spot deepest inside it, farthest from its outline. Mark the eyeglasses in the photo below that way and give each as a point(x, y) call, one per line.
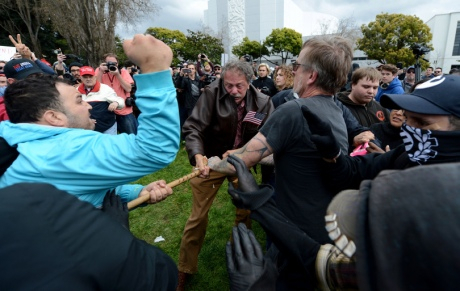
point(410, 72)
point(296, 65)
point(437, 71)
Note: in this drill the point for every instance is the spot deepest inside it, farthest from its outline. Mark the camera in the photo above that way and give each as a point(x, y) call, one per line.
point(419, 50)
point(133, 69)
point(130, 101)
point(112, 66)
point(265, 91)
point(186, 71)
point(209, 79)
point(57, 51)
point(203, 56)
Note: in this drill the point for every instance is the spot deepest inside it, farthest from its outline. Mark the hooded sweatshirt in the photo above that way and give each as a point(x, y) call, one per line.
point(86, 163)
point(367, 114)
point(394, 87)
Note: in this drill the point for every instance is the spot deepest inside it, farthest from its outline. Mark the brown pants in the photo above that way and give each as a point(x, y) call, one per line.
point(204, 191)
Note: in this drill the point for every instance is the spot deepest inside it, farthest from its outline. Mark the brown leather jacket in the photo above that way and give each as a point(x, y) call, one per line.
point(211, 129)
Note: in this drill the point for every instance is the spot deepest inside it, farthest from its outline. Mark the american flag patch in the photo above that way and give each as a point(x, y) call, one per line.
point(254, 117)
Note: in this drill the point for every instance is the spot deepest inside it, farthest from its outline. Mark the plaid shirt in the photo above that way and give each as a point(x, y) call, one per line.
point(238, 138)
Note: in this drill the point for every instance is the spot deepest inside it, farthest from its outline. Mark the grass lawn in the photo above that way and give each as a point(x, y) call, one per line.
point(168, 218)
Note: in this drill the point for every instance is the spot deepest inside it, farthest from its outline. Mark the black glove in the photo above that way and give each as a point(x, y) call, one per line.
point(246, 265)
point(116, 209)
point(246, 181)
point(248, 195)
point(321, 135)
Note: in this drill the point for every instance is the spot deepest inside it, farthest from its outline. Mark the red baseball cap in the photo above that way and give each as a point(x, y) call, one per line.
point(86, 70)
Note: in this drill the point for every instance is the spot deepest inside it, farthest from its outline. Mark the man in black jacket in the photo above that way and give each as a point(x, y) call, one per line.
point(430, 134)
point(53, 241)
point(367, 255)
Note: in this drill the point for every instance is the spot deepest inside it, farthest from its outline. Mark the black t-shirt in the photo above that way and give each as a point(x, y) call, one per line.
point(301, 193)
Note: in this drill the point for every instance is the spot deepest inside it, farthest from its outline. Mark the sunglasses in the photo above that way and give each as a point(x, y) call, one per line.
point(296, 65)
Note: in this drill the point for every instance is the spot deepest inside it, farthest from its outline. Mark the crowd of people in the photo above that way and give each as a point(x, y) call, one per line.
point(324, 130)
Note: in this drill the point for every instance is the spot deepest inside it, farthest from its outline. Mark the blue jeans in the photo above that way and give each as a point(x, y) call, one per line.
point(127, 123)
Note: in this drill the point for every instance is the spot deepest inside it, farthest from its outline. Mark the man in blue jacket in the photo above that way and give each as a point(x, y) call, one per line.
point(390, 83)
point(51, 127)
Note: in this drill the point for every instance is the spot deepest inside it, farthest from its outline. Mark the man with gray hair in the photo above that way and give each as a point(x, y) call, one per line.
point(227, 115)
point(301, 193)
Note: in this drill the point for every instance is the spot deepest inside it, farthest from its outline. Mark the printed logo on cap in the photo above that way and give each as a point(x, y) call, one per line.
point(22, 66)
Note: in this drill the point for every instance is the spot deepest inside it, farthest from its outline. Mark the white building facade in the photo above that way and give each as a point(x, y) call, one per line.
point(446, 41)
point(257, 18)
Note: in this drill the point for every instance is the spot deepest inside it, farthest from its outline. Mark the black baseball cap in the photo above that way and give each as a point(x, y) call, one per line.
point(21, 68)
point(437, 96)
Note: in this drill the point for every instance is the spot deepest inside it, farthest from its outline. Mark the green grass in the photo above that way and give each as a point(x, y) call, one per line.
point(168, 219)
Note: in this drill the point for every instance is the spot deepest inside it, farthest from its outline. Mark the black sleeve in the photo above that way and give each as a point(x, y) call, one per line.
point(287, 236)
point(353, 126)
point(349, 172)
point(7, 156)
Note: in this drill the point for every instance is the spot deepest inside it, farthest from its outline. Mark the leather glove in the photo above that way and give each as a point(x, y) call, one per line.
point(246, 266)
point(321, 135)
point(246, 181)
point(248, 195)
point(116, 209)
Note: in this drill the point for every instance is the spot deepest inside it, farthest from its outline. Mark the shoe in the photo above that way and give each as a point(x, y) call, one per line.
point(181, 281)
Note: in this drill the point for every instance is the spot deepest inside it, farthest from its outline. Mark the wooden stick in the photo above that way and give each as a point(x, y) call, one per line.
point(144, 198)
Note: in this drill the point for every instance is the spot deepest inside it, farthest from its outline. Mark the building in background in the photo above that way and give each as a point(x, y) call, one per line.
point(256, 19)
point(446, 41)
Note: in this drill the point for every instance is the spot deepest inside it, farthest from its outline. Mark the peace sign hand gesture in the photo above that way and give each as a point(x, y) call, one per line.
point(20, 47)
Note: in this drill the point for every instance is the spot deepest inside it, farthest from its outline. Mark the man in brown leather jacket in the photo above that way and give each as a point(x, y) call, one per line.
point(227, 115)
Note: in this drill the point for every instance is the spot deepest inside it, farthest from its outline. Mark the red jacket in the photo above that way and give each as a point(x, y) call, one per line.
point(3, 114)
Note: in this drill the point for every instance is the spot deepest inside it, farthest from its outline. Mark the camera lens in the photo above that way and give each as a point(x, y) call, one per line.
point(112, 68)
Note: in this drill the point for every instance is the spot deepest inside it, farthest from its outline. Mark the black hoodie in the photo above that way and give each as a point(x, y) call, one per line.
point(367, 114)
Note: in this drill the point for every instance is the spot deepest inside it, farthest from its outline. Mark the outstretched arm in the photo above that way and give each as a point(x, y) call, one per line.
point(286, 235)
point(251, 153)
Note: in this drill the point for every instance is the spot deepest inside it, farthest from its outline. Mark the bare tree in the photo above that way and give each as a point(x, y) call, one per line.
point(29, 13)
point(89, 25)
point(346, 27)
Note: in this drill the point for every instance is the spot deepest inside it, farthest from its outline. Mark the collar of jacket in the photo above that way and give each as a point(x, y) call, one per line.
point(96, 88)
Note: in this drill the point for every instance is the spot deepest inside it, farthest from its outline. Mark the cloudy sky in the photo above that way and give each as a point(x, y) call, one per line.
point(188, 14)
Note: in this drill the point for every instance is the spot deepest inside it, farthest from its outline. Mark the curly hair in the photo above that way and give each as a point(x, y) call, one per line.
point(288, 76)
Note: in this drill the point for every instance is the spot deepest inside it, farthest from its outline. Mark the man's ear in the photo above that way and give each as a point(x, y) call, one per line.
point(10, 80)
point(313, 75)
point(54, 118)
